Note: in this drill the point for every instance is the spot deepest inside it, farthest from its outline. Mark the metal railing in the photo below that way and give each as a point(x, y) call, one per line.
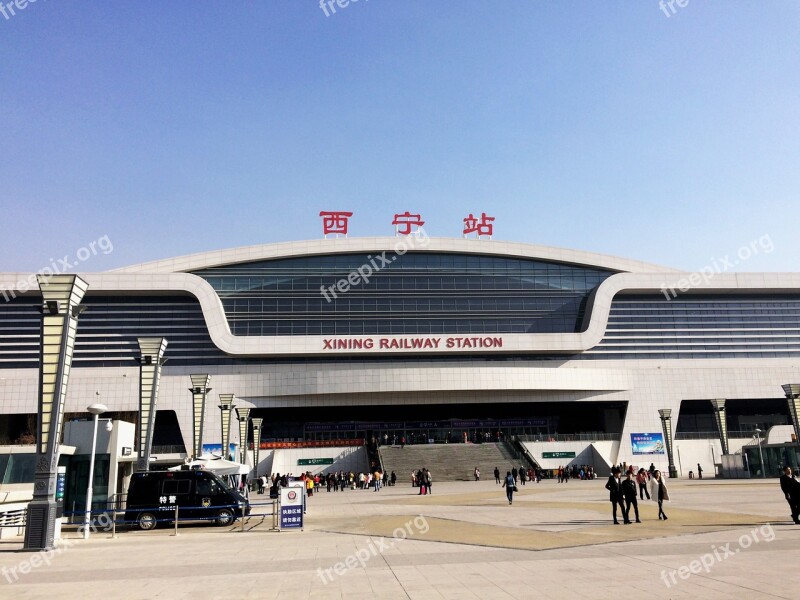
point(571, 437)
point(169, 449)
point(11, 519)
point(712, 435)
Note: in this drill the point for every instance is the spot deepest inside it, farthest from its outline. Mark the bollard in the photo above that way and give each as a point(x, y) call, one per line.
point(176, 520)
point(242, 520)
point(113, 523)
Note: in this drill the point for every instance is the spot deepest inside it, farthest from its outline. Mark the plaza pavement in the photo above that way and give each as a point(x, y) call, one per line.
point(464, 542)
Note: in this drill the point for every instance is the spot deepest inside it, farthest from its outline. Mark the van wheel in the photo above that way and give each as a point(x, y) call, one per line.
point(147, 521)
point(224, 517)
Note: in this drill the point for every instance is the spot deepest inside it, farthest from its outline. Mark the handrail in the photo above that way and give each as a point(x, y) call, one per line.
point(712, 435)
point(571, 437)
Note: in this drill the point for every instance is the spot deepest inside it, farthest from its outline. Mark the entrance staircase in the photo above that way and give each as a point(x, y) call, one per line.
point(448, 462)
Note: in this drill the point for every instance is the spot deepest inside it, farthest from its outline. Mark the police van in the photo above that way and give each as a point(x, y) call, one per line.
point(197, 494)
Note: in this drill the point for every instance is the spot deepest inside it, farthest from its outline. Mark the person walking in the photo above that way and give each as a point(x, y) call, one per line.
point(791, 491)
point(615, 495)
point(477, 474)
point(641, 479)
point(393, 478)
point(497, 475)
point(515, 473)
point(510, 486)
point(699, 471)
point(629, 493)
point(658, 490)
point(428, 480)
point(523, 475)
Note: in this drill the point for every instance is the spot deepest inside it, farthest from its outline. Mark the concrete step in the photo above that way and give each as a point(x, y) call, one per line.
point(448, 462)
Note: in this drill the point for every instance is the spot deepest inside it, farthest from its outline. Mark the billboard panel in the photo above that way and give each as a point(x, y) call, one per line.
point(647, 443)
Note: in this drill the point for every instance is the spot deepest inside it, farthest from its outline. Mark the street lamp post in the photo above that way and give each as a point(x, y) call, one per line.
point(96, 410)
point(760, 453)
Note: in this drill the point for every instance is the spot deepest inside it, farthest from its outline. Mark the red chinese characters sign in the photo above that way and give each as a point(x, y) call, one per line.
point(480, 226)
point(335, 221)
point(405, 222)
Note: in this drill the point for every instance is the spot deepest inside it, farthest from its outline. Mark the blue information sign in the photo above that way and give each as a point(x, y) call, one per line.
point(292, 508)
point(61, 484)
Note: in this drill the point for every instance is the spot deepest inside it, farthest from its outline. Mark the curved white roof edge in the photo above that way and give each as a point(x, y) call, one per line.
point(540, 343)
point(231, 256)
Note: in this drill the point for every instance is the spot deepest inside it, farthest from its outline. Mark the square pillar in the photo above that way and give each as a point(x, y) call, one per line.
point(61, 295)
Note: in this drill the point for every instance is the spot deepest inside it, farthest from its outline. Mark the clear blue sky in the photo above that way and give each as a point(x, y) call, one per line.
point(179, 127)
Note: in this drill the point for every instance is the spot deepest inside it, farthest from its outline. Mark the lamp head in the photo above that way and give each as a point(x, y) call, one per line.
point(97, 409)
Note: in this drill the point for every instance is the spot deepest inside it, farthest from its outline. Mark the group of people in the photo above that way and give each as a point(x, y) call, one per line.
point(791, 491)
point(623, 492)
point(522, 475)
point(423, 480)
point(575, 472)
point(336, 481)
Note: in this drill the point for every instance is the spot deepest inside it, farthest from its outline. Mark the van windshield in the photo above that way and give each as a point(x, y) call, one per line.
point(225, 483)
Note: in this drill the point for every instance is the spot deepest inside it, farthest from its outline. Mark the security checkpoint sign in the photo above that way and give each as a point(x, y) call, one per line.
point(292, 507)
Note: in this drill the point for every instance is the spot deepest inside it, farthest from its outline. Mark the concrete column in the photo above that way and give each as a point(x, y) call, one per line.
point(720, 415)
point(226, 406)
point(62, 295)
point(199, 391)
point(150, 360)
point(666, 426)
point(243, 415)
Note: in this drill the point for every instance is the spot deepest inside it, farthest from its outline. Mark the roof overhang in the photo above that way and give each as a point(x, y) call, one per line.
point(232, 256)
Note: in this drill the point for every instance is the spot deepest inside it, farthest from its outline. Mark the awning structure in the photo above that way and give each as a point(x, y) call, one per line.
point(216, 465)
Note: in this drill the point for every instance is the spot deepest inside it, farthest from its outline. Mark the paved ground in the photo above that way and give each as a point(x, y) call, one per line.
point(463, 542)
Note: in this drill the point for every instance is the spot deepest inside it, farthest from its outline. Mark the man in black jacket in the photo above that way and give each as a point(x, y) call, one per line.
point(791, 490)
point(629, 493)
point(614, 487)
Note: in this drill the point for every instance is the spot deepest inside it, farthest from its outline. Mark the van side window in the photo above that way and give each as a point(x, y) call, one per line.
point(206, 487)
point(176, 487)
